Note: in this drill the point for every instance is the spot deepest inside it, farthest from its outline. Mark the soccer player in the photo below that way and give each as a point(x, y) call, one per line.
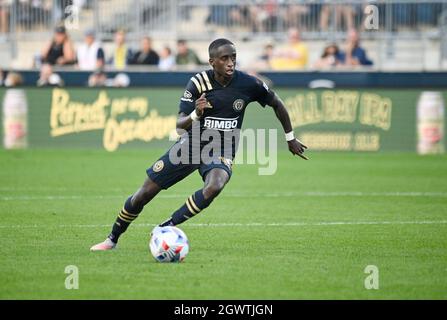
point(213, 103)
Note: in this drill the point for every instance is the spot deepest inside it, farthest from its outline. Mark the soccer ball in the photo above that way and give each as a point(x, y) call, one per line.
point(169, 244)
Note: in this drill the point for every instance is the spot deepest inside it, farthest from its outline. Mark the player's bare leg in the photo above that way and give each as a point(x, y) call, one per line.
point(130, 211)
point(215, 181)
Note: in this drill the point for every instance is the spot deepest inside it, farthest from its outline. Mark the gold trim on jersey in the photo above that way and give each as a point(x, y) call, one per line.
point(194, 80)
point(201, 81)
point(207, 80)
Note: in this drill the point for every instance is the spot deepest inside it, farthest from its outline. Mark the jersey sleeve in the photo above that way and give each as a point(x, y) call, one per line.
point(191, 94)
point(263, 94)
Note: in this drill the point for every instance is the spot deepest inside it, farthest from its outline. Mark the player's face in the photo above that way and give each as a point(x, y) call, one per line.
point(224, 62)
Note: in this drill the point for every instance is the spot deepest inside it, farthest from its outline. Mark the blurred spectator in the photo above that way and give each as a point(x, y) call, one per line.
point(28, 13)
point(60, 50)
point(13, 79)
point(48, 77)
point(329, 58)
point(121, 80)
point(343, 15)
point(59, 9)
point(90, 54)
point(293, 55)
point(146, 55)
point(294, 15)
point(246, 16)
point(268, 53)
point(264, 17)
point(263, 61)
point(354, 54)
point(167, 59)
point(4, 15)
point(1, 77)
point(220, 14)
point(97, 78)
point(185, 55)
point(122, 55)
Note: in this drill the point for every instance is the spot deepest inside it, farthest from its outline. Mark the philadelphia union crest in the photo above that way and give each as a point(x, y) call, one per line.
point(158, 166)
point(238, 104)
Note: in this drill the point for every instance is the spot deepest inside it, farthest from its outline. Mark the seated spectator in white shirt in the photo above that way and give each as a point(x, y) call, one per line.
point(90, 54)
point(167, 59)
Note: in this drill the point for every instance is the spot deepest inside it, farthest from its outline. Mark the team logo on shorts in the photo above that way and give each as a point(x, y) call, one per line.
point(238, 104)
point(158, 166)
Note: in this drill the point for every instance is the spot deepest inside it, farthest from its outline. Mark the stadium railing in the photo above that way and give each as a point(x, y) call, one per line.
point(417, 21)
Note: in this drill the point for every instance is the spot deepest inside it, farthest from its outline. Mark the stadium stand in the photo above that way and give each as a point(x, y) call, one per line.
point(411, 35)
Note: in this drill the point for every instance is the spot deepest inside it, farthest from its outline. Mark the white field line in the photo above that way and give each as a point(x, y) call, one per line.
point(249, 224)
point(234, 195)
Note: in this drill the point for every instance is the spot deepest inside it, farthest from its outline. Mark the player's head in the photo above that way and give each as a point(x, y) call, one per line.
point(222, 54)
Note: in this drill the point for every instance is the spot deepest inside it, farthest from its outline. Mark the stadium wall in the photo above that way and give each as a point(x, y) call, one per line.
point(366, 120)
point(345, 79)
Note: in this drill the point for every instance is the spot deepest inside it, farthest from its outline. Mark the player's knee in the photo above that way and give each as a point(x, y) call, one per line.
point(145, 194)
point(213, 188)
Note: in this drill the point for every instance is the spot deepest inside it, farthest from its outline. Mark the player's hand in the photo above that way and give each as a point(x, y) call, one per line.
point(298, 148)
point(202, 104)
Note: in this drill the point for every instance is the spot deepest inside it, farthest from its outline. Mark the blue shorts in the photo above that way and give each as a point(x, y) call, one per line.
point(165, 173)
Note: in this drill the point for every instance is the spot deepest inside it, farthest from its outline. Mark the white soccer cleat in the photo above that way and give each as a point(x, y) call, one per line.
point(103, 246)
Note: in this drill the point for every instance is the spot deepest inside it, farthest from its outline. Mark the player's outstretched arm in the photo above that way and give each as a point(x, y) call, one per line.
point(295, 146)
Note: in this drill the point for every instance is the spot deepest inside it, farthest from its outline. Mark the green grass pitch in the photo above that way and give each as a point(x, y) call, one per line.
point(307, 232)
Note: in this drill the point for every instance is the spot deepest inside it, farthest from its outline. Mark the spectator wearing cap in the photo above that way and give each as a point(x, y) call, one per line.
point(60, 50)
point(146, 56)
point(122, 55)
point(90, 54)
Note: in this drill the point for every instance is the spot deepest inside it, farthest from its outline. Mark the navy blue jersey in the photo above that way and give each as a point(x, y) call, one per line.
point(228, 103)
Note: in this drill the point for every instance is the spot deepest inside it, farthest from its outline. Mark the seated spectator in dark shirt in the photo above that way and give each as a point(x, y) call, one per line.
point(186, 56)
point(354, 54)
point(330, 57)
point(146, 55)
point(60, 50)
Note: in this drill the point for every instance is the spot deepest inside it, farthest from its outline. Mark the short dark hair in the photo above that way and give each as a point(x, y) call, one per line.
point(216, 44)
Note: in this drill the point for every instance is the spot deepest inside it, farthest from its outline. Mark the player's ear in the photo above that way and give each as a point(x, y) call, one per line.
point(211, 62)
